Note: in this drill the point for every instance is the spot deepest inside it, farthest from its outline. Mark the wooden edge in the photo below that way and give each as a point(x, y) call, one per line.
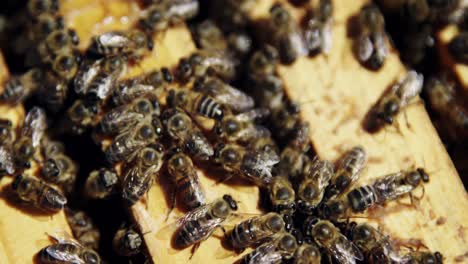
point(23, 230)
point(459, 70)
point(336, 93)
point(169, 47)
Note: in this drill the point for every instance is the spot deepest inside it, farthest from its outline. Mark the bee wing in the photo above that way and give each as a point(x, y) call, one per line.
point(265, 253)
point(62, 236)
point(260, 164)
point(345, 251)
point(365, 48)
point(169, 230)
point(34, 125)
point(233, 97)
point(411, 86)
point(85, 75)
point(6, 160)
point(252, 115)
point(119, 117)
point(63, 256)
point(114, 39)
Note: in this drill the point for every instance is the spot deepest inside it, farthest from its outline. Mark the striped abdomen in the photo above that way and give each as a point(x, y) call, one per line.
point(207, 106)
point(362, 198)
point(243, 234)
point(60, 253)
point(193, 232)
point(190, 192)
point(14, 91)
point(50, 199)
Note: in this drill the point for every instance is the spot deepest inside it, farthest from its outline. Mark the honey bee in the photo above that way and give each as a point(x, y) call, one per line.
point(348, 170)
point(188, 188)
point(209, 36)
point(54, 91)
point(285, 34)
point(81, 115)
point(199, 224)
point(282, 195)
point(307, 254)
point(224, 93)
point(160, 15)
point(254, 230)
point(150, 85)
point(263, 144)
point(19, 88)
point(65, 66)
point(241, 127)
point(124, 117)
point(7, 163)
point(235, 13)
point(399, 97)
point(98, 79)
point(386, 188)
point(6, 131)
point(441, 96)
point(126, 145)
point(139, 176)
point(58, 42)
point(282, 246)
point(38, 193)
point(327, 236)
point(68, 250)
point(239, 43)
point(376, 246)
point(286, 119)
point(83, 228)
point(187, 136)
point(318, 25)
point(38, 7)
point(127, 242)
point(311, 188)
point(196, 103)
point(423, 257)
point(61, 170)
point(203, 62)
point(101, 184)
point(32, 132)
point(371, 44)
point(133, 43)
point(256, 166)
point(293, 162)
point(44, 24)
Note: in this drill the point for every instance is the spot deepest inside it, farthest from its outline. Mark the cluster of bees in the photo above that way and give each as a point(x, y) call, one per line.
point(223, 106)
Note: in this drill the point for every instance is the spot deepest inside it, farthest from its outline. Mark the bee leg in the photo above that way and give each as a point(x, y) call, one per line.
point(172, 204)
point(224, 179)
point(405, 115)
point(194, 249)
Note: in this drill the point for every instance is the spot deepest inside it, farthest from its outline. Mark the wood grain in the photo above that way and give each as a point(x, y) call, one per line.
point(336, 93)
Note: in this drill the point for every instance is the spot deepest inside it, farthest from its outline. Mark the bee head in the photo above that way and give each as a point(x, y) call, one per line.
point(90, 256)
point(167, 75)
point(439, 257)
point(74, 37)
point(231, 202)
point(184, 70)
point(423, 173)
point(279, 15)
point(50, 169)
point(17, 181)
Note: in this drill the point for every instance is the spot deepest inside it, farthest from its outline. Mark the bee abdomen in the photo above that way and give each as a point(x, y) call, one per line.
point(52, 199)
point(242, 235)
point(189, 234)
point(362, 198)
point(208, 107)
point(191, 193)
point(14, 91)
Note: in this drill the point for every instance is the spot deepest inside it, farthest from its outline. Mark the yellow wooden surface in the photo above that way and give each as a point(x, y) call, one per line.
point(23, 230)
point(337, 92)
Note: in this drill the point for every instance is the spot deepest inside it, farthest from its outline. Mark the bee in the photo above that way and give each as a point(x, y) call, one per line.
point(442, 96)
point(235, 13)
point(224, 93)
point(254, 230)
point(32, 132)
point(127, 242)
point(160, 15)
point(423, 257)
point(83, 228)
point(209, 36)
point(139, 175)
point(311, 188)
point(386, 188)
point(65, 66)
point(239, 43)
point(126, 145)
point(282, 195)
point(198, 224)
point(55, 91)
point(263, 144)
point(186, 134)
point(318, 26)
point(241, 127)
point(327, 236)
point(203, 62)
point(43, 25)
point(371, 44)
point(285, 34)
point(293, 162)
point(285, 118)
point(58, 42)
point(122, 118)
point(376, 246)
point(282, 246)
point(255, 166)
point(196, 103)
point(134, 43)
point(101, 184)
point(307, 254)
point(348, 170)
point(7, 137)
point(188, 188)
point(38, 193)
point(399, 97)
point(38, 7)
point(68, 250)
point(150, 85)
point(98, 79)
point(61, 170)
point(82, 115)
point(19, 88)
